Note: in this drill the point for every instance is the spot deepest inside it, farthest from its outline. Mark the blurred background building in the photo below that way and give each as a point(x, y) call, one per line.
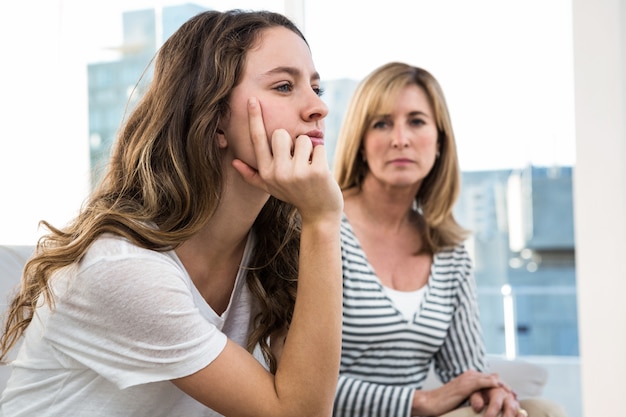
point(523, 249)
point(115, 86)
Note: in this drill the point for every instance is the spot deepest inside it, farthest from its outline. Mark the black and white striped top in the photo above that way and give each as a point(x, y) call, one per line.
point(384, 357)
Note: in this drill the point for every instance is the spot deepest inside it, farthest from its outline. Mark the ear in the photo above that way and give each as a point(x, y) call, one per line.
point(221, 139)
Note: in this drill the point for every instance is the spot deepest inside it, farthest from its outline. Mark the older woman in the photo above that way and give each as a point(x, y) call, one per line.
point(409, 290)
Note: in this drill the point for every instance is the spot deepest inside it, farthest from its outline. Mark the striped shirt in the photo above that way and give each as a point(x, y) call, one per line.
point(385, 357)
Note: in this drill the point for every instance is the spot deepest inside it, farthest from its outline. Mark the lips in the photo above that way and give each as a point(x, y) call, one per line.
point(316, 136)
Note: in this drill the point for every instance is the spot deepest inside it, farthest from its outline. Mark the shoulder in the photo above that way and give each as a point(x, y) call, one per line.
point(346, 229)
point(350, 246)
point(453, 264)
point(113, 249)
point(120, 279)
point(113, 263)
point(455, 256)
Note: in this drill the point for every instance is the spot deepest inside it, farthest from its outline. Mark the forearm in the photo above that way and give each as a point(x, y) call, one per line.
point(366, 399)
point(463, 349)
point(309, 363)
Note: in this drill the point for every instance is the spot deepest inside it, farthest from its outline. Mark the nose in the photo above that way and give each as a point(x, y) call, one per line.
point(399, 138)
point(315, 109)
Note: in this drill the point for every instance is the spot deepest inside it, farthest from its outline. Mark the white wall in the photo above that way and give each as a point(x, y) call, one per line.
point(600, 201)
point(43, 120)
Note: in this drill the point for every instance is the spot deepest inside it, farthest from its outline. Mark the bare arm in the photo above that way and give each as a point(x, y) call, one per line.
point(235, 384)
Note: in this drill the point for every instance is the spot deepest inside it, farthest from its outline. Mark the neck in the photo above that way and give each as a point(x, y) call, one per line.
point(223, 237)
point(375, 204)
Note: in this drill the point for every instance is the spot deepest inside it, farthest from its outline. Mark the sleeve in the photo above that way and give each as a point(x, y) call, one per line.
point(463, 348)
point(133, 320)
point(355, 397)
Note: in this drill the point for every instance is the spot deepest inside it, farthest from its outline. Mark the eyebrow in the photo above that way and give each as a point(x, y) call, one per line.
point(410, 114)
point(419, 113)
point(294, 72)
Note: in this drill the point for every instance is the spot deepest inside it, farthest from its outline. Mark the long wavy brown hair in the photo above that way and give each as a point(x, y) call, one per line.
point(165, 171)
point(440, 189)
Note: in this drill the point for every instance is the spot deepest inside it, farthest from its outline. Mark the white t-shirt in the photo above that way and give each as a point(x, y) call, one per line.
point(126, 321)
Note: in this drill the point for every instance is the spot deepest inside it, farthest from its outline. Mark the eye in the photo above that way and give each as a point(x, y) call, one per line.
point(417, 122)
point(284, 88)
point(380, 124)
point(319, 91)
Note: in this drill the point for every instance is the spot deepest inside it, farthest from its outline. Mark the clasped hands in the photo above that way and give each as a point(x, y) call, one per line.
point(498, 401)
point(484, 392)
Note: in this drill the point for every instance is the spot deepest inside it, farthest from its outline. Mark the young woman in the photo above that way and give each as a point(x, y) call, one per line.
point(182, 266)
point(409, 291)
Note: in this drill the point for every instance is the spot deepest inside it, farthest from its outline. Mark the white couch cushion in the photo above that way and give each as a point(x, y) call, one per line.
point(12, 260)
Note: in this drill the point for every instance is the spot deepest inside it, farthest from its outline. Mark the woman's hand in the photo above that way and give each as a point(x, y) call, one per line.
point(499, 401)
point(449, 396)
point(291, 170)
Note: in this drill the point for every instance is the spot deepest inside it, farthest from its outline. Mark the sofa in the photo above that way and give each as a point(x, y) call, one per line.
point(527, 379)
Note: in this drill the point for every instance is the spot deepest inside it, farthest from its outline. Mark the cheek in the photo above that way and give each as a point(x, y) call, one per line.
point(373, 144)
point(237, 129)
point(278, 117)
point(238, 115)
point(428, 141)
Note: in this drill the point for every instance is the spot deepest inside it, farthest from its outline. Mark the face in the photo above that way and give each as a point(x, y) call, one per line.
point(280, 73)
point(400, 148)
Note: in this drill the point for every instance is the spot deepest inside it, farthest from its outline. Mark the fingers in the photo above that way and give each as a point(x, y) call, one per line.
point(290, 170)
point(249, 174)
point(282, 150)
point(501, 402)
point(511, 406)
point(506, 387)
point(264, 152)
point(258, 137)
point(302, 148)
point(282, 145)
point(257, 132)
point(477, 401)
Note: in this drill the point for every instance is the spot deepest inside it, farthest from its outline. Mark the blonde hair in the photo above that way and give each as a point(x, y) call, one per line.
point(165, 177)
point(374, 95)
